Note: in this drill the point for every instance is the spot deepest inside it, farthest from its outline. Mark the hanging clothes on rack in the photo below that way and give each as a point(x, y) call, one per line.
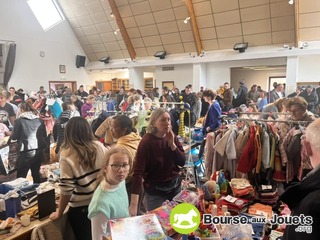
point(225, 152)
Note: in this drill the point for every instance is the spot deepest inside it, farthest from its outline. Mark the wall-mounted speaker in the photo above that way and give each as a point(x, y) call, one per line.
point(80, 61)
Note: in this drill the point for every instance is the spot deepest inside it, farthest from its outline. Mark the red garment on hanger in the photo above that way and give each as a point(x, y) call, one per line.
point(248, 159)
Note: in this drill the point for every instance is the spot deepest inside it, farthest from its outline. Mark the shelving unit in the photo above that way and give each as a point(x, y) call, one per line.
point(119, 82)
point(104, 85)
point(148, 84)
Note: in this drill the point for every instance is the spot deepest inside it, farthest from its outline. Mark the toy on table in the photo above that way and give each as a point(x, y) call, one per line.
point(221, 178)
point(186, 196)
point(207, 231)
point(211, 194)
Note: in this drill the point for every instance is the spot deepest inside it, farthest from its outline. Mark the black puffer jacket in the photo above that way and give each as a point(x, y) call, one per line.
point(30, 132)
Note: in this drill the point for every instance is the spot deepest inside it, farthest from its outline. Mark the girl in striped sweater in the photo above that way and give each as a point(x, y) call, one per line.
point(81, 158)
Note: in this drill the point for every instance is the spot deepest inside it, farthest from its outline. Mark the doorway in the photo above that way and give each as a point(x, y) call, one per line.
point(56, 85)
point(278, 80)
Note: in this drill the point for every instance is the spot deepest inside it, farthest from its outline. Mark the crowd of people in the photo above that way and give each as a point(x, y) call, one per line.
point(117, 170)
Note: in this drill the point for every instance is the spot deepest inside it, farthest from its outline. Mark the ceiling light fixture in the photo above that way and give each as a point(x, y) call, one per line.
point(161, 54)
point(116, 31)
point(186, 20)
point(291, 2)
point(241, 47)
point(105, 60)
point(111, 14)
point(304, 45)
point(203, 53)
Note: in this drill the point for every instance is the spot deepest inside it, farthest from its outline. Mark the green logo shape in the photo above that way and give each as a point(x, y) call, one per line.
point(185, 218)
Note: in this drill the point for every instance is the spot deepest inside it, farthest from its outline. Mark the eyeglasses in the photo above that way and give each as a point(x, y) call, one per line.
point(117, 167)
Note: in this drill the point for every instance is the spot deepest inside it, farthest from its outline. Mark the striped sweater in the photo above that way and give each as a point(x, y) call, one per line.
point(78, 182)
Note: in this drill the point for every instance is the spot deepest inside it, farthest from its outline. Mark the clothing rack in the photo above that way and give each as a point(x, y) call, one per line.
point(262, 113)
point(172, 103)
point(265, 120)
point(117, 111)
point(3, 40)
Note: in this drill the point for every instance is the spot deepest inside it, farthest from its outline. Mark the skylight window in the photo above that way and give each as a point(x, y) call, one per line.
point(47, 13)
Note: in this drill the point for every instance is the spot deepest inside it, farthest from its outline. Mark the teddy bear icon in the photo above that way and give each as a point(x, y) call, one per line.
point(187, 217)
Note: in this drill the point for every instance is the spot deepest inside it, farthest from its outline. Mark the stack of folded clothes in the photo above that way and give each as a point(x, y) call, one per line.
point(234, 205)
point(261, 210)
point(268, 194)
point(17, 183)
point(241, 187)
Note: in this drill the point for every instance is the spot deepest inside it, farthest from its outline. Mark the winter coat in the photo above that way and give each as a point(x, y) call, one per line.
point(30, 132)
point(312, 100)
point(304, 198)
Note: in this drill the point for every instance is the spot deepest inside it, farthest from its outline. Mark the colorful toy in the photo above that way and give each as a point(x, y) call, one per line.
point(210, 190)
point(220, 178)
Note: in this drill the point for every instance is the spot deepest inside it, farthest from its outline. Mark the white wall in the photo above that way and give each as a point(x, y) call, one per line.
point(182, 75)
point(309, 70)
point(220, 72)
point(259, 77)
point(59, 44)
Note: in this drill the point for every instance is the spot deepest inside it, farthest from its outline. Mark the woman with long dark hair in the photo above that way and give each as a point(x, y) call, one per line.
point(30, 132)
point(81, 158)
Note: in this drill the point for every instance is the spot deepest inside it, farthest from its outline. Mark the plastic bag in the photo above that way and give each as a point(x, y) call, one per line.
point(236, 232)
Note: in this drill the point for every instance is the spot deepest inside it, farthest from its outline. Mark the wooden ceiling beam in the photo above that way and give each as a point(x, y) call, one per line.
point(194, 26)
point(123, 29)
point(296, 24)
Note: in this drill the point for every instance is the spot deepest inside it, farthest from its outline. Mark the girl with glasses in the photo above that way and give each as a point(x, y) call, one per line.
point(110, 199)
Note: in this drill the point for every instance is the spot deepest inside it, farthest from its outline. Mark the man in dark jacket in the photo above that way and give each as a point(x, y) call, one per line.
point(227, 97)
point(81, 92)
point(241, 95)
point(121, 96)
point(277, 93)
point(311, 97)
point(303, 198)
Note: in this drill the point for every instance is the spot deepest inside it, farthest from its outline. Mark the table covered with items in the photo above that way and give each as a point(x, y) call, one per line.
point(228, 210)
point(25, 208)
point(232, 209)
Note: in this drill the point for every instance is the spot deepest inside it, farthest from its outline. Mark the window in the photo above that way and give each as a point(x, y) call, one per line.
point(47, 13)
